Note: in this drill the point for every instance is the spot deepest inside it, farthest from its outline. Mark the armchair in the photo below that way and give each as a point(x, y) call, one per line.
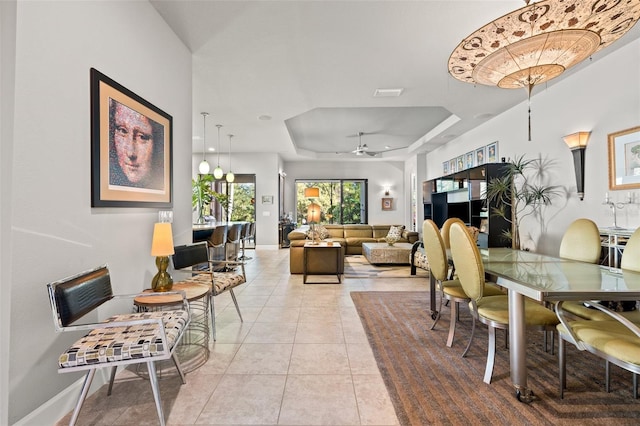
point(196, 257)
point(120, 340)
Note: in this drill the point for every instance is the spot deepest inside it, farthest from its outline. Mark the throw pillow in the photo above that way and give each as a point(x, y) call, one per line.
point(395, 232)
point(320, 231)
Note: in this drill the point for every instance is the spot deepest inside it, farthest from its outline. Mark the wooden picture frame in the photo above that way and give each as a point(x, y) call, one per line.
point(387, 204)
point(131, 148)
point(624, 159)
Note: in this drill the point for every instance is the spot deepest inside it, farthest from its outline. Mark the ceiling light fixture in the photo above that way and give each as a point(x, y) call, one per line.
point(539, 42)
point(230, 176)
point(203, 168)
point(217, 172)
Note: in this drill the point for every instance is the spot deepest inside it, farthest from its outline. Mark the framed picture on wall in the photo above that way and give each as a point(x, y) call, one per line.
point(452, 165)
point(131, 148)
point(492, 152)
point(460, 163)
point(624, 159)
point(469, 160)
point(445, 168)
point(480, 156)
point(387, 204)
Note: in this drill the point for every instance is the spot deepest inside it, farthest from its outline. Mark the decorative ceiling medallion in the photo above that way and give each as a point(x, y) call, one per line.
point(539, 41)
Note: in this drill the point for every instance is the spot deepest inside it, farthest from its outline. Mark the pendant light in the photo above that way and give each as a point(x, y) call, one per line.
point(217, 172)
point(203, 168)
point(230, 175)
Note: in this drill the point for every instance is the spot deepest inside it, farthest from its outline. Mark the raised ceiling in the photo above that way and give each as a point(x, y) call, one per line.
point(298, 77)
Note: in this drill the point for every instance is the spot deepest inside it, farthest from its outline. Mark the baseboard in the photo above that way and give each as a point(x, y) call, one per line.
point(64, 402)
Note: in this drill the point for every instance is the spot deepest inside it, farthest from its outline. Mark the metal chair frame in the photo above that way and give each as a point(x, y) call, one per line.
point(194, 255)
point(73, 297)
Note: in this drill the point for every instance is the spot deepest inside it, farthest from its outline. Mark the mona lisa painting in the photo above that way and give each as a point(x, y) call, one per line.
point(131, 143)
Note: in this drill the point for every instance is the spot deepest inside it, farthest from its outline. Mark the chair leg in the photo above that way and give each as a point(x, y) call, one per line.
point(174, 357)
point(452, 323)
point(473, 329)
point(562, 366)
point(635, 386)
point(153, 379)
point(83, 394)
point(212, 308)
point(233, 296)
point(113, 376)
point(435, 321)
point(607, 376)
point(491, 355)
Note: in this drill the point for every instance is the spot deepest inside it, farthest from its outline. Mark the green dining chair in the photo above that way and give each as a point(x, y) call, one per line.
point(450, 289)
point(493, 311)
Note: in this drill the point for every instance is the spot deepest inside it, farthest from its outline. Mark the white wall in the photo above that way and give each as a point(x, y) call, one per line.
point(380, 174)
point(54, 230)
point(265, 166)
point(602, 98)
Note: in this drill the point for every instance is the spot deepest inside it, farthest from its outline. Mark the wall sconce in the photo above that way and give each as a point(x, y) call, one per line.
point(387, 188)
point(577, 143)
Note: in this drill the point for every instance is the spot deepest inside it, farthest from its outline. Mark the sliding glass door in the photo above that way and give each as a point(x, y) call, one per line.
point(342, 201)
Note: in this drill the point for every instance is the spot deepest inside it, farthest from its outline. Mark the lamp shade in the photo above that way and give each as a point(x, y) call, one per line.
point(312, 192)
point(203, 168)
point(313, 213)
point(162, 244)
point(577, 140)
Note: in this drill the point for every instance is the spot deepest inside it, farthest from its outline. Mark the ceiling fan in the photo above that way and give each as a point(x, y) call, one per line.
point(363, 149)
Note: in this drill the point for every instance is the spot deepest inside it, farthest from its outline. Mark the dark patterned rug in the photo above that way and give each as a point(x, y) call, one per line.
point(432, 384)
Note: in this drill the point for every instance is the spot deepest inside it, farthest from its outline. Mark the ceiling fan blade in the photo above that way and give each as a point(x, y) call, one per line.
point(371, 153)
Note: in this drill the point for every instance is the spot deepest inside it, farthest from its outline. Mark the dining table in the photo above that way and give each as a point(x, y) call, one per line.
point(546, 279)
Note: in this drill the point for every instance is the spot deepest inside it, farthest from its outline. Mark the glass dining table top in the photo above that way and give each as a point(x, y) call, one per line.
point(543, 277)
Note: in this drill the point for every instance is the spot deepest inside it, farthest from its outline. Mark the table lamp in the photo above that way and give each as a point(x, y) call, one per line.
point(162, 248)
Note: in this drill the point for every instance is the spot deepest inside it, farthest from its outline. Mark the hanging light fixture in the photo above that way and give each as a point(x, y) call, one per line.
point(230, 175)
point(217, 172)
point(203, 168)
point(540, 41)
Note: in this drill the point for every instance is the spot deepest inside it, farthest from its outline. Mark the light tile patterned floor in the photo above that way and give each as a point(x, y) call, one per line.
point(299, 358)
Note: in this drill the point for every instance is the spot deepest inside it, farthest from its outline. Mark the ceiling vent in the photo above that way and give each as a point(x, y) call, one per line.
point(387, 93)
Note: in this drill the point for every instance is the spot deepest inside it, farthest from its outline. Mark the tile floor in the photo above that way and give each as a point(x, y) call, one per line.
point(300, 357)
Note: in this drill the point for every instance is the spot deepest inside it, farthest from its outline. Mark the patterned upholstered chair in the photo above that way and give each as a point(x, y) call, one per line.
point(120, 340)
point(196, 258)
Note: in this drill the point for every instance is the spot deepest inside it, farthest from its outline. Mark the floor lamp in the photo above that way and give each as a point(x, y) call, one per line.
point(313, 210)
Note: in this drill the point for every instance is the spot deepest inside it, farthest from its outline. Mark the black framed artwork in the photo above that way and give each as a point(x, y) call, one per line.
point(131, 148)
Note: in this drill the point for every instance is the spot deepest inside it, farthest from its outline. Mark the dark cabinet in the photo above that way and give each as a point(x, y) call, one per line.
point(285, 228)
point(463, 195)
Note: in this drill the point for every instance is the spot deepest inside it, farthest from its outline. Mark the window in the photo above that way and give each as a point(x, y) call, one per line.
point(342, 201)
point(240, 197)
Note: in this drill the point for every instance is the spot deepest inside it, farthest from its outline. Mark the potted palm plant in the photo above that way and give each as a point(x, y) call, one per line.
point(201, 195)
point(519, 193)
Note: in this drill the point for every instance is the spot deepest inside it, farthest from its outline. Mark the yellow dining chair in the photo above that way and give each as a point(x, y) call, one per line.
point(492, 311)
point(449, 289)
point(577, 249)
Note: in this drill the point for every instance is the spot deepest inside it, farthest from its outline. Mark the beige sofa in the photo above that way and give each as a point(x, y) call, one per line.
point(350, 238)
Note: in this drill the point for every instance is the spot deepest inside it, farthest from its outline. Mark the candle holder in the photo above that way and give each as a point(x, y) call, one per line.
point(618, 206)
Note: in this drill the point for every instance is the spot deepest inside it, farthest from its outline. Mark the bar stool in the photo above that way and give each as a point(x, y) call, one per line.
point(217, 243)
point(246, 236)
point(233, 241)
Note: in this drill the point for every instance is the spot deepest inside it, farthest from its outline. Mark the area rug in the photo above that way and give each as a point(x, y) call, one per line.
point(357, 266)
point(430, 383)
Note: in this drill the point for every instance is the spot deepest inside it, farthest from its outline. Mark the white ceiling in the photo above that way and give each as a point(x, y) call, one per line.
point(313, 67)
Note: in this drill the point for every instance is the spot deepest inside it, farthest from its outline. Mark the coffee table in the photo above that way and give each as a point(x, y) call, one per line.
point(384, 253)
